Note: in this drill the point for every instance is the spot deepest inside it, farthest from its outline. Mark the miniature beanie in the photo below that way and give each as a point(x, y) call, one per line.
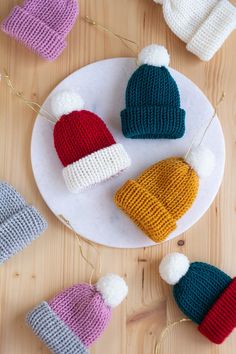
point(74, 319)
point(163, 193)
point(204, 294)
point(203, 25)
point(42, 25)
point(152, 99)
point(84, 144)
point(20, 223)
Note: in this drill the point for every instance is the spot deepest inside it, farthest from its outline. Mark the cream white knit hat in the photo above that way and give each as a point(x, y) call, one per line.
point(203, 24)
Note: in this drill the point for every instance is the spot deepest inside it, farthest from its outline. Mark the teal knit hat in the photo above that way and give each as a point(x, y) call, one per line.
point(152, 99)
point(204, 294)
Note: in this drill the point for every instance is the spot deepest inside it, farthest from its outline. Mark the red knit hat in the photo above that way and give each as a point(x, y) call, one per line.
point(84, 144)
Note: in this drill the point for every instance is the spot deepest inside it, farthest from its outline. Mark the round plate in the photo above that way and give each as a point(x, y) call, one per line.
point(93, 213)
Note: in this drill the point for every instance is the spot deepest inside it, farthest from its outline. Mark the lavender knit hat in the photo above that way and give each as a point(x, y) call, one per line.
point(20, 223)
point(75, 318)
point(42, 25)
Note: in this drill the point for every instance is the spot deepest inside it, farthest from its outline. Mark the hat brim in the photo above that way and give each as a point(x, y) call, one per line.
point(33, 33)
point(53, 331)
point(153, 122)
point(96, 168)
point(212, 33)
point(19, 230)
point(145, 210)
point(220, 320)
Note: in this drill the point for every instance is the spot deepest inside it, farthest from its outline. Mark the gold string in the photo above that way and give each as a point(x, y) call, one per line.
point(79, 239)
point(125, 41)
point(31, 104)
point(208, 125)
point(166, 330)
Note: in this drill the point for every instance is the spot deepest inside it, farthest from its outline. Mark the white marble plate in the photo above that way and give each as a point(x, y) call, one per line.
point(93, 213)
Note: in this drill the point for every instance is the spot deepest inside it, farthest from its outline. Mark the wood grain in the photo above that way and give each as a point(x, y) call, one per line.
point(53, 261)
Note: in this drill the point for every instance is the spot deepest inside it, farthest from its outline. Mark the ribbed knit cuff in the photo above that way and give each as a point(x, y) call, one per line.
point(145, 210)
point(221, 318)
point(96, 168)
point(214, 31)
point(19, 231)
point(153, 122)
point(53, 331)
point(34, 34)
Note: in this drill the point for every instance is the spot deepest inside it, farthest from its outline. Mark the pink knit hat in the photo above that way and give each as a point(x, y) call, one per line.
point(42, 25)
point(75, 318)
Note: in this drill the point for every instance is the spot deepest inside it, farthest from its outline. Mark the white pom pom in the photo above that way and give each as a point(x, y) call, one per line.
point(155, 55)
point(173, 267)
point(201, 160)
point(113, 289)
point(66, 102)
point(158, 1)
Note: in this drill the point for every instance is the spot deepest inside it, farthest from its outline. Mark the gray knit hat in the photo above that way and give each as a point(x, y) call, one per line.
point(20, 223)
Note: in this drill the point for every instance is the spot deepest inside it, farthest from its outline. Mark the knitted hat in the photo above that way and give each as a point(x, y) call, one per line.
point(84, 145)
point(20, 223)
point(203, 25)
point(42, 25)
point(74, 319)
point(163, 193)
point(152, 99)
point(204, 293)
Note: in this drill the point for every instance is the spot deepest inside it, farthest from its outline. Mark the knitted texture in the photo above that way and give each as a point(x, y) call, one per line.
point(87, 150)
point(221, 318)
point(152, 105)
point(203, 25)
point(20, 224)
point(53, 332)
point(159, 197)
point(78, 307)
point(74, 319)
point(42, 25)
point(95, 168)
point(198, 290)
point(79, 134)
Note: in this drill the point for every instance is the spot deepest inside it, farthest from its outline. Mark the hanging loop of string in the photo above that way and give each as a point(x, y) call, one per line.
point(125, 41)
point(165, 332)
point(80, 239)
point(208, 125)
point(31, 104)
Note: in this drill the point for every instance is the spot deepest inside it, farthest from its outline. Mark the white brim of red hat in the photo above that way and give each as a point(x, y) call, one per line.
point(96, 167)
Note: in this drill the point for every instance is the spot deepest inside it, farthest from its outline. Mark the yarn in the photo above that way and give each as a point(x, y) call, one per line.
point(125, 41)
point(31, 104)
point(20, 224)
point(79, 238)
point(203, 25)
point(205, 294)
point(85, 146)
point(152, 99)
point(73, 320)
point(42, 25)
point(165, 331)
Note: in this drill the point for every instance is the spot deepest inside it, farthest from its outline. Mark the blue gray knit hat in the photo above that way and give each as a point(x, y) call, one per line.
point(20, 223)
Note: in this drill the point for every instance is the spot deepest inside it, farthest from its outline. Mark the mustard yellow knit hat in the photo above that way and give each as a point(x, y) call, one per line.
point(163, 193)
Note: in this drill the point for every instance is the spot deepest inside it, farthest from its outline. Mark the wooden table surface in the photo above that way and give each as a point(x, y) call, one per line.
point(53, 262)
